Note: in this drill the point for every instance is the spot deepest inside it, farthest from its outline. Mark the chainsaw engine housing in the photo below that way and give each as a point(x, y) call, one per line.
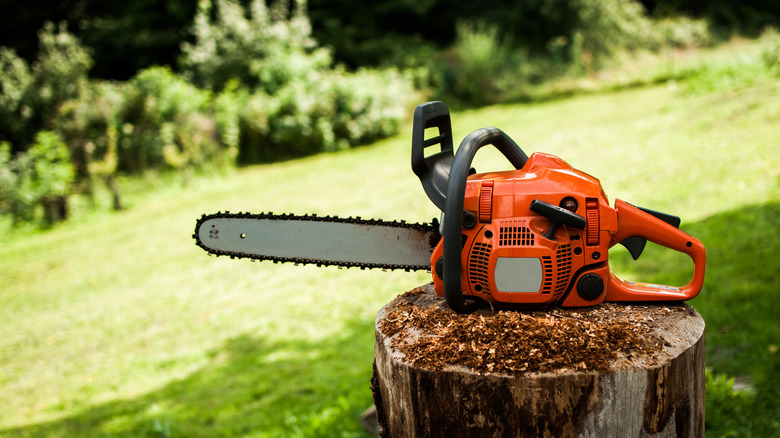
point(506, 257)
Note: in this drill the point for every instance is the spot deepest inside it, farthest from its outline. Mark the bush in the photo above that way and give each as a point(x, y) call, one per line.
point(164, 121)
point(331, 111)
point(605, 28)
point(369, 105)
point(89, 127)
point(262, 48)
point(15, 80)
point(31, 96)
point(39, 177)
point(61, 69)
point(278, 95)
point(482, 68)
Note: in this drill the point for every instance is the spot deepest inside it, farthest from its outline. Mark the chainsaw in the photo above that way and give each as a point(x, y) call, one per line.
point(535, 236)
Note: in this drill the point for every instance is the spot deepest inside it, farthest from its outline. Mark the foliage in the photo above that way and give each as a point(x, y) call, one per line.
point(35, 178)
point(60, 72)
point(337, 111)
point(746, 17)
point(684, 32)
point(124, 37)
point(15, 79)
point(89, 126)
point(278, 94)
point(7, 177)
point(164, 123)
point(127, 37)
point(263, 48)
point(487, 64)
point(264, 90)
point(479, 62)
point(604, 28)
point(32, 95)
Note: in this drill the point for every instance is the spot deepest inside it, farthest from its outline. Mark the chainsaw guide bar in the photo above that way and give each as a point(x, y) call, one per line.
point(318, 240)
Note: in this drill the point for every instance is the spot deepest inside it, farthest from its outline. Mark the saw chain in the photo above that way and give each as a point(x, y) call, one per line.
point(432, 227)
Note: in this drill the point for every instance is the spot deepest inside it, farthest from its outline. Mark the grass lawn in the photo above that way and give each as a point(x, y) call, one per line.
point(117, 324)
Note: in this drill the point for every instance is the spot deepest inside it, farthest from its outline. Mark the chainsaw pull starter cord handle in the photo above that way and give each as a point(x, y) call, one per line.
point(453, 209)
point(632, 221)
point(557, 216)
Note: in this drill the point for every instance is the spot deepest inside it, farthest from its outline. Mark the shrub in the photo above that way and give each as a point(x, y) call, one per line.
point(278, 95)
point(263, 48)
point(605, 28)
point(369, 105)
point(40, 176)
point(228, 107)
point(685, 32)
point(482, 67)
point(7, 177)
point(31, 95)
point(15, 80)
point(330, 111)
point(89, 127)
point(164, 122)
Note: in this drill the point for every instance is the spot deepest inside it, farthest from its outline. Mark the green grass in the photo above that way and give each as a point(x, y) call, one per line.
point(117, 324)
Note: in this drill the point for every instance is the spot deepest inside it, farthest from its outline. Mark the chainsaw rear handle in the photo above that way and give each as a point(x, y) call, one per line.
point(632, 222)
point(453, 208)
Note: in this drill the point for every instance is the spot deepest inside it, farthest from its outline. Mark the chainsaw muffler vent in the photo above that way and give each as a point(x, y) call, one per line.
point(479, 263)
point(563, 262)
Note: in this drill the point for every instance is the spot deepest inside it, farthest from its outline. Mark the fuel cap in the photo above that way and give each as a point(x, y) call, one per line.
point(590, 286)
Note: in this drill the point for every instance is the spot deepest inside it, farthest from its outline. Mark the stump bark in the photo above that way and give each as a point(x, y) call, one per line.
point(615, 370)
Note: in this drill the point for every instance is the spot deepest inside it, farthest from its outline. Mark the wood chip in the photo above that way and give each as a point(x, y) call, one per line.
point(432, 336)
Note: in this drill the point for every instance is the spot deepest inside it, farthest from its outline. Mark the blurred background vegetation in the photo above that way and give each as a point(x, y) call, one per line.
point(157, 108)
point(131, 87)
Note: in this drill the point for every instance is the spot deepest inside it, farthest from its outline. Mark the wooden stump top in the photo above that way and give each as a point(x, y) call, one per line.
point(423, 331)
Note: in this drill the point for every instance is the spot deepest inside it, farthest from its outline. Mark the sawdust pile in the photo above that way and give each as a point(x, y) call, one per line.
point(432, 336)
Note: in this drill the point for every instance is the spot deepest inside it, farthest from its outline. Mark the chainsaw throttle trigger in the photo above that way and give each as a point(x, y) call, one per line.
point(636, 244)
point(557, 216)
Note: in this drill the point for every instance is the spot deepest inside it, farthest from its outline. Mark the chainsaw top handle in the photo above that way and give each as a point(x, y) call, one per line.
point(434, 169)
point(453, 211)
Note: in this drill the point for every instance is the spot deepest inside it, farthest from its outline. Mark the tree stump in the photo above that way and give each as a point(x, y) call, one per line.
point(615, 370)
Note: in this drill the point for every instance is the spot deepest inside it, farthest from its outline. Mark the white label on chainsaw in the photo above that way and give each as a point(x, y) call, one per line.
point(654, 286)
point(518, 274)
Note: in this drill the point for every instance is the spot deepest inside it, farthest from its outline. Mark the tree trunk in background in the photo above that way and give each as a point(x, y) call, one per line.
point(55, 209)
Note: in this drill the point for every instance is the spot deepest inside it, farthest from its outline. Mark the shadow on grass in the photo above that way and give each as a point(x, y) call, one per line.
point(250, 386)
point(303, 387)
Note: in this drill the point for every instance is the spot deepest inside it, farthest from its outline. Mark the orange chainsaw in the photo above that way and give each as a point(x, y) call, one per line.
point(535, 236)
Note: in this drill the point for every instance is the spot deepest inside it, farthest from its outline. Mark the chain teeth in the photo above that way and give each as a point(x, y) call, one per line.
point(433, 228)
